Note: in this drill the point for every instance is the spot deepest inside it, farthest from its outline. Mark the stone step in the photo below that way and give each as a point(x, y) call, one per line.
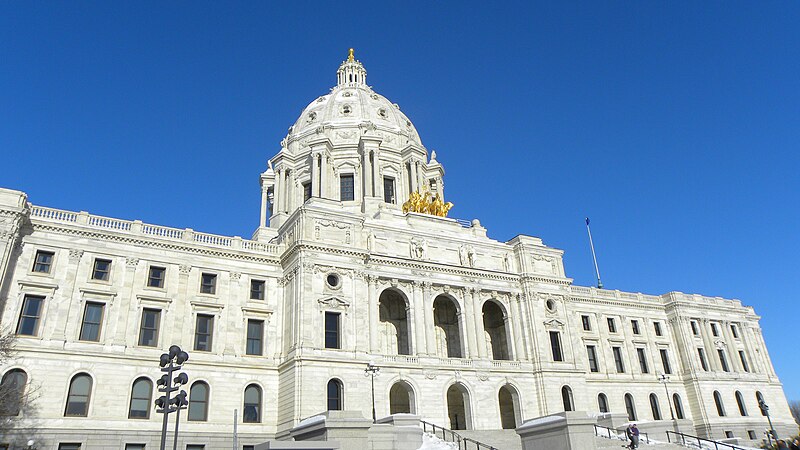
point(604, 443)
point(500, 439)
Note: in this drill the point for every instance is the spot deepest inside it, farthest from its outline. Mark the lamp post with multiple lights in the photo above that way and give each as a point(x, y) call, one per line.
point(372, 371)
point(170, 363)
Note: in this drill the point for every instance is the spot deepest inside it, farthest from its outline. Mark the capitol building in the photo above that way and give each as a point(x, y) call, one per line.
point(354, 262)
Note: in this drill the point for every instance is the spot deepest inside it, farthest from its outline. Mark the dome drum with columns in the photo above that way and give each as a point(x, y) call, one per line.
point(351, 133)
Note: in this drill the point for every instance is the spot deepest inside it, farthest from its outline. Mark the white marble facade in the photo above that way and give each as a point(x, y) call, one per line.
point(462, 326)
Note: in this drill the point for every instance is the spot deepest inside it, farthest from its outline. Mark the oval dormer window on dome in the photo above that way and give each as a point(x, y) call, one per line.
point(347, 110)
point(382, 113)
point(312, 116)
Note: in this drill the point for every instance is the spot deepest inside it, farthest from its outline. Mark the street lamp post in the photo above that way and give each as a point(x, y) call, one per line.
point(372, 371)
point(765, 409)
point(664, 379)
point(170, 363)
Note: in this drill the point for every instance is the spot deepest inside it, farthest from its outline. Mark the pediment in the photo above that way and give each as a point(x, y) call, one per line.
point(333, 303)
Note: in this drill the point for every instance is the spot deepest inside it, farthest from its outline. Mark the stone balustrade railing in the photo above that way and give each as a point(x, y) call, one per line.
point(136, 227)
point(612, 294)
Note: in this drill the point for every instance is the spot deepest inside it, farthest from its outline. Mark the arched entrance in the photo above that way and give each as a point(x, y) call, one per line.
point(509, 407)
point(401, 398)
point(394, 323)
point(458, 407)
point(445, 320)
point(494, 326)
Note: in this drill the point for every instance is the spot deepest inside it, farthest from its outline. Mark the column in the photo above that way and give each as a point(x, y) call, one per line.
point(471, 329)
point(374, 320)
point(367, 174)
point(277, 195)
point(315, 175)
point(376, 174)
point(420, 175)
point(513, 329)
point(712, 358)
point(126, 314)
point(420, 339)
point(473, 297)
point(731, 350)
point(323, 178)
point(427, 304)
point(414, 181)
point(263, 222)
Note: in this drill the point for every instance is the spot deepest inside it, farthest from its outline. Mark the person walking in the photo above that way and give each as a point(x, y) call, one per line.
point(633, 435)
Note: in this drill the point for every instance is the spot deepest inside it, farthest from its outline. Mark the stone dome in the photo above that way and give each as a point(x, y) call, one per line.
point(352, 106)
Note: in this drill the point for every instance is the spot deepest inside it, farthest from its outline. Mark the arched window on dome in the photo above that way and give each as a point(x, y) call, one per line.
point(13, 390)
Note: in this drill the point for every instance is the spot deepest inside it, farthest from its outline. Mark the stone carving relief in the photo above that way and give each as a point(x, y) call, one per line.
point(419, 248)
point(184, 269)
point(75, 254)
point(545, 264)
point(333, 303)
point(346, 134)
point(235, 276)
point(430, 374)
point(333, 231)
point(507, 262)
point(466, 255)
point(131, 262)
point(553, 324)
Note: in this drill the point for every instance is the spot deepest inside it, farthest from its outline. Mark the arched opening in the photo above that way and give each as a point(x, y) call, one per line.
point(509, 407)
point(676, 400)
point(12, 388)
point(141, 393)
point(445, 320)
point(602, 402)
point(760, 401)
point(394, 323)
point(335, 395)
point(630, 408)
point(654, 408)
point(80, 391)
point(494, 326)
point(252, 404)
point(458, 407)
point(401, 398)
point(740, 403)
point(198, 402)
point(718, 402)
point(566, 398)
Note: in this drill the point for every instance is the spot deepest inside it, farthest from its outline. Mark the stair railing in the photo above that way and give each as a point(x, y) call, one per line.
point(601, 431)
point(464, 443)
point(687, 439)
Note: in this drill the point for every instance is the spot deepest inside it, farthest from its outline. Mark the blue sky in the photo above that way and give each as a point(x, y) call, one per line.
point(673, 125)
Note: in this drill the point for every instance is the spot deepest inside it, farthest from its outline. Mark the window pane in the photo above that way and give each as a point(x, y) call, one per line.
point(134, 447)
point(208, 283)
point(257, 289)
point(347, 190)
point(78, 397)
point(255, 333)
point(92, 318)
point(156, 277)
point(29, 318)
point(102, 267)
point(69, 446)
point(252, 404)
point(12, 388)
point(555, 346)
point(203, 333)
point(148, 334)
point(331, 330)
point(43, 262)
point(198, 402)
point(140, 399)
point(388, 190)
point(334, 396)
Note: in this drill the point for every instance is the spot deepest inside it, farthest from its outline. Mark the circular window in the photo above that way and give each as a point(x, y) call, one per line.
point(332, 280)
point(382, 113)
point(550, 305)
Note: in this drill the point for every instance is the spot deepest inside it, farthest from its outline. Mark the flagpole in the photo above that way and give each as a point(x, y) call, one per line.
point(594, 256)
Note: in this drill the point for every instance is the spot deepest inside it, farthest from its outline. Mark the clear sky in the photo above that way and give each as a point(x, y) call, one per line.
point(674, 125)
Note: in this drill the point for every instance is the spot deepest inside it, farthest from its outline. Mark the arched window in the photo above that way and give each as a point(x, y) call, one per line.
point(654, 407)
point(759, 401)
point(602, 403)
point(198, 402)
point(629, 407)
point(140, 399)
point(335, 395)
point(13, 388)
point(252, 404)
point(718, 401)
point(80, 389)
point(740, 403)
point(566, 397)
point(676, 400)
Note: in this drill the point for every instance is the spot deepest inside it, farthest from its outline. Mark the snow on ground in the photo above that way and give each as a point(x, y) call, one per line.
point(431, 442)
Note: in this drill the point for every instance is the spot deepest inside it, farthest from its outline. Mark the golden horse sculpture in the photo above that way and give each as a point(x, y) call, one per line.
point(424, 204)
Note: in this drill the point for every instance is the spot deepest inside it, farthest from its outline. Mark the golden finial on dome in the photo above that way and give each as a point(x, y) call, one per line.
point(350, 57)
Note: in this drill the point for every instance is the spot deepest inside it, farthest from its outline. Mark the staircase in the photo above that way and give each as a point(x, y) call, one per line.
point(465, 441)
point(499, 439)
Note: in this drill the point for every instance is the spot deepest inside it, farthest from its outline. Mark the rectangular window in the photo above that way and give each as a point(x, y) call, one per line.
point(703, 363)
point(388, 189)
point(248, 447)
point(642, 360)
point(92, 318)
point(734, 331)
point(635, 326)
point(255, 337)
point(742, 358)
point(332, 330)
point(555, 346)
point(204, 329)
point(723, 360)
point(618, 359)
point(587, 326)
point(101, 269)
point(695, 330)
point(612, 327)
point(69, 446)
point(134, 447)
point(714, 330)
point(665, 361)
point(751, 434)
point(195, 447)
point(729, 434)
point(306, 191)
point(208, 283)
point(29, 316)
point(148, 332)
point(257, 288)
point(346, 188)
point(43, 262)
point(592, 353)
point(155, 277)
point(657, 328)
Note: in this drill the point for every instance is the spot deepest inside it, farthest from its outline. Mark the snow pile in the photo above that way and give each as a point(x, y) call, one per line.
point(431, 442)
